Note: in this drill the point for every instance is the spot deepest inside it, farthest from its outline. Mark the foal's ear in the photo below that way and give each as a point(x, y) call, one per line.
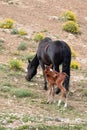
point(51, 65)
point(29, 60)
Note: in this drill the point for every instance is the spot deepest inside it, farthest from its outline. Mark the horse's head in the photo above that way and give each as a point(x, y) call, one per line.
point(31, 71)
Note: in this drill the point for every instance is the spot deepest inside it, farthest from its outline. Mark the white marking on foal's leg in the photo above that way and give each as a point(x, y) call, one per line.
point(67, 93)
point(65, 106)
point(59, 102)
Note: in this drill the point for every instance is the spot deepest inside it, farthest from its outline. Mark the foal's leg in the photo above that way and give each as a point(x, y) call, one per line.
point(53, 93)
point(66, 98)
point(63, 91)
point(61, 98)
point(56, 67)
point(49, 93)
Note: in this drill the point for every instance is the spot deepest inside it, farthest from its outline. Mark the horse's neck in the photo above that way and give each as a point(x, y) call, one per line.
point(35, 61)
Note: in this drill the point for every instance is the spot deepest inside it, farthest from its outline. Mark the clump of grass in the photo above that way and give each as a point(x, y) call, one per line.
point(69, 15)
point(2, 128)
point(22, 46)
point(52, 127)
point(14, 31)
point(71, 26)
point(16, 64)
point(5, 88)
point(75, 64)
point(1, 45)
point(24, 127)
point(7, 23)
point(38, 36)
point(20, 32)
point(21, 93)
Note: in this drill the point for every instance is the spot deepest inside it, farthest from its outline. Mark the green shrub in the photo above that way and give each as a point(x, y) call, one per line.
point(7, 23)
point(1, 44)
point(16, 64)
point(5, 88)
point(21, 93)
point(75, 65)
point(69, 15)
point(22, 46)
point(14, 31)
point(38, 36)
point(20, 32)
point(71, 26)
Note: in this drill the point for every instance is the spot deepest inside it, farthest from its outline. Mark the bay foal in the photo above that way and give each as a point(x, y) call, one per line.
point(56, 78)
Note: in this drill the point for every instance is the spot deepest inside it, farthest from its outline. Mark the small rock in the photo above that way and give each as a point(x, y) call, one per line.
point(4, 122)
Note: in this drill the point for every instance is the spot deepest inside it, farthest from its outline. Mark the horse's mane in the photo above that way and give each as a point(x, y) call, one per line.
point(35, 61)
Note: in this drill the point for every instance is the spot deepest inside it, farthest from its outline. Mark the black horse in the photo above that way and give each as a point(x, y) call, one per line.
point(50, 52)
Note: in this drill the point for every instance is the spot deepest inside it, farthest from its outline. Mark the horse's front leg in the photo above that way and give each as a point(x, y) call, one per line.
point(45, 81)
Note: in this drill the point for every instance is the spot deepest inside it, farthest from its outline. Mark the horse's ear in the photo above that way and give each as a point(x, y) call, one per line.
point(29, 60)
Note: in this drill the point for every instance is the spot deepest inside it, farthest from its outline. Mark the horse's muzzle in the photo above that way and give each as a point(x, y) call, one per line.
point(27, 78)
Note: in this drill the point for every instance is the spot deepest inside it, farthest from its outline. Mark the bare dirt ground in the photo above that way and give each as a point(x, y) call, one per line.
point(37, 16)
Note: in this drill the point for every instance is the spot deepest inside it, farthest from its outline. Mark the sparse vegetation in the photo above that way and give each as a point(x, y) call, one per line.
point(1, 44)
point(22, 46)
point(69, 15)
point(7, 23)
point(21, 93)
point(53, 127)
point(71, 26)
point(14, 31)
point(75, 64)
point(38, 36)
point(16, 64)
point(20, 32)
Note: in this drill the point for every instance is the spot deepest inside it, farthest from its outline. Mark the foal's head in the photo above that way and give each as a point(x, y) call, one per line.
point(31, 71)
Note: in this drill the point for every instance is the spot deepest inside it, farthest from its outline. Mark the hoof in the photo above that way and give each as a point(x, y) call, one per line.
point(57, 91)
point(45, 88)
point(48, 102)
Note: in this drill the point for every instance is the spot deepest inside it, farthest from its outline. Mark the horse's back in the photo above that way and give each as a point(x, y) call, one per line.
point(54, 52)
